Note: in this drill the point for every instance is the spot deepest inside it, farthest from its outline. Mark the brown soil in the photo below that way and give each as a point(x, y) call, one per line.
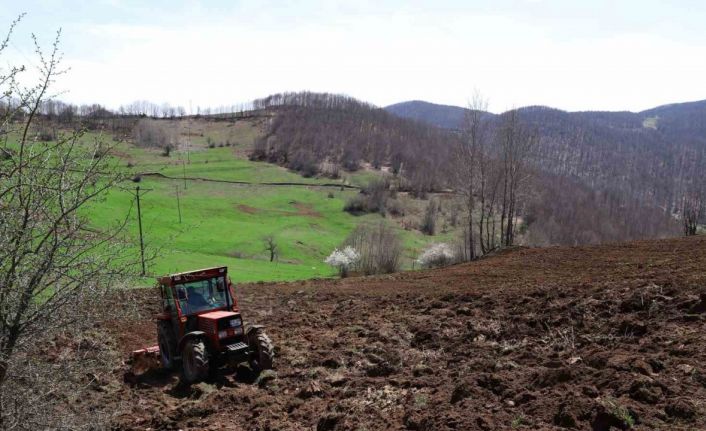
point(598, 338)
point(248, 209)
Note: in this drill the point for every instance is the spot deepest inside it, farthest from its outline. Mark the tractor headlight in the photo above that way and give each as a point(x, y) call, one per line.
point(231, 332)
point(236, 323)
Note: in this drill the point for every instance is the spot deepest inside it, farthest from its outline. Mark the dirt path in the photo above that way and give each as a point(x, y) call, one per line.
point(584, 338)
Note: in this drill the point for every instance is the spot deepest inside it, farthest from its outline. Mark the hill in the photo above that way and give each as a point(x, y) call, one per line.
point(675, 116)
point(207, 204)
point(597, 176)
point(584, 337)
point(221, 183)
point(652, 158)
point(445, 116)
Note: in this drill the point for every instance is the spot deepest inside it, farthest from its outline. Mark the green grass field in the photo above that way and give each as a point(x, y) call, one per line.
point(224, 224)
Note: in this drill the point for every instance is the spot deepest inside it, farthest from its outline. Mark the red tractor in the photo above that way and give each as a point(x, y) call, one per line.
point(200, 327)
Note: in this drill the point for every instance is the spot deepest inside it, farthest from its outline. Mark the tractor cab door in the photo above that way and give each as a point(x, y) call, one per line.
point(169, 307)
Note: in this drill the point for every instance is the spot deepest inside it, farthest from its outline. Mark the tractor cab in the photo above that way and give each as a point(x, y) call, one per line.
point(200, 325)
point(203, 295)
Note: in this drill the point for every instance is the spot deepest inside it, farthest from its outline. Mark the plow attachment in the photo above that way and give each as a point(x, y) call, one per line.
point(141, 361)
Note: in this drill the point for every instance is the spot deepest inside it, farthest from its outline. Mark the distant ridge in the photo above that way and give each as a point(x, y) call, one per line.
point(451, 117)
point(444, 116)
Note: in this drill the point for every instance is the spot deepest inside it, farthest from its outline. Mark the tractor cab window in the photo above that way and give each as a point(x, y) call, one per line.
point(202, 295)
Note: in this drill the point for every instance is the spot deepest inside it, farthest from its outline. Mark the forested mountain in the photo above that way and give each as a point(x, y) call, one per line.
point(657, 156)
point(320, 133)
point(595, 176)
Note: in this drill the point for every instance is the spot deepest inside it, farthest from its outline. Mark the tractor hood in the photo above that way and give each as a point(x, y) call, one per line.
point(215, 322)
point(217, 315)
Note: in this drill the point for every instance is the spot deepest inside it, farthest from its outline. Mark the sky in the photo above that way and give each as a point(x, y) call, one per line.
point(573, 55)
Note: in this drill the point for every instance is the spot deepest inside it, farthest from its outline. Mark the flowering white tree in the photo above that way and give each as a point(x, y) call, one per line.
point(439, 254)
point(343, 259)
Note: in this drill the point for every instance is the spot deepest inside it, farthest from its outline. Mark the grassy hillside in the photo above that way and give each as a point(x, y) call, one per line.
point(224, 223)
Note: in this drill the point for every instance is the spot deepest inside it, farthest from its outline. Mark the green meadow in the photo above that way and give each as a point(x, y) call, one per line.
point(225, 223)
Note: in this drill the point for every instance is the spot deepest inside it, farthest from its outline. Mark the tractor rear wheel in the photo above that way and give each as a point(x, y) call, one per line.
point(167, 345)
point(194, 360)
point(263, 353)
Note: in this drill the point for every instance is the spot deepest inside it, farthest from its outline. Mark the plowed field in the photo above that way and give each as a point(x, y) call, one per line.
point(600, 337)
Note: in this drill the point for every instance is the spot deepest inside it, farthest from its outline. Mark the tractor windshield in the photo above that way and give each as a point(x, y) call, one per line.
point(202, 295)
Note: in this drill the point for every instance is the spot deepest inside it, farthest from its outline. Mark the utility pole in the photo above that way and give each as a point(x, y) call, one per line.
point(178, 203)
point(139, 224)
point(183, 167)
point(188, 138)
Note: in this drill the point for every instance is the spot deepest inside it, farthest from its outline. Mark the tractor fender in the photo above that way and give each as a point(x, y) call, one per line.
point(191, 335)
point(250, 328)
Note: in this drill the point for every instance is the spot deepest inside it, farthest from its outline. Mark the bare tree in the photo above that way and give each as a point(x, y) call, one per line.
point(693, 208)
point(429, 220)
point(471, 177)
point(517, 143)
point(270, 244)
point(53, 264)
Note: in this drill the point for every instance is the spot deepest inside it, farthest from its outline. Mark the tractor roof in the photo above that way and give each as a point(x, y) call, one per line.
point(197, 274)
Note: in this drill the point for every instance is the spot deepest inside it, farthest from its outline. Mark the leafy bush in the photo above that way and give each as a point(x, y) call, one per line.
point(437, 255)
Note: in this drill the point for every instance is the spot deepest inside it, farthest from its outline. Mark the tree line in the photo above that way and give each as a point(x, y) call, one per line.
point(311, 130)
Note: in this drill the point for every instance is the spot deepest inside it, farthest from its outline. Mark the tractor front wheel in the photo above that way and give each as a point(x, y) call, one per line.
point(194, 360)
point(263, 353)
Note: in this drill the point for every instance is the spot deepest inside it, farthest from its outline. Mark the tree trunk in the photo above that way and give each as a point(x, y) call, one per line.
point(471, 241)
point(3, 376)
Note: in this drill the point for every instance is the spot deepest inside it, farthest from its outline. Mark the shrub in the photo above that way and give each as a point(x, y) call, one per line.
point(343, 259)
point(378, 191)
point(394, 208)
point(371, 199)
point(47, 135)
point(7, 153)
point(308, 169)
point(429, 221)
point(436, 255)
point(152, 133)
point(380, 248)
point(356, 204)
